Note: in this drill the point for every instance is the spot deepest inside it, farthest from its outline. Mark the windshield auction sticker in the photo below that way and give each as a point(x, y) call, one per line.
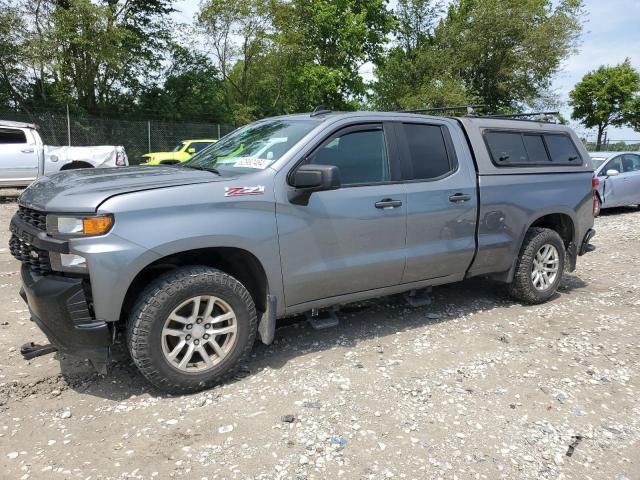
point(249, 162)
point(240, 191)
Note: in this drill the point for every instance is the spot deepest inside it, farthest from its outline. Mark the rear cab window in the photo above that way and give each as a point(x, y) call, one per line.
point(527, 148)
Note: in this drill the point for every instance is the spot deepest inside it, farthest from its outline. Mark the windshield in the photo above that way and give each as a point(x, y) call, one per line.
point(597, 162)
point(178, 147)
point(252, 148)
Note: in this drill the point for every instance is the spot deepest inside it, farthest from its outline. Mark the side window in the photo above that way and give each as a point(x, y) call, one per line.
point(197, 146)
point(12, 136)
point(427, 151)
point(614, 164)
point(361, 156)
point(507, 147)
point(631, 163)
point(562, 149)
point(534, 145)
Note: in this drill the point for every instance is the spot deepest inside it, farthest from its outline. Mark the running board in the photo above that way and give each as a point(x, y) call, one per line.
point(322, 320)
point(419, 298)
point(32, 350)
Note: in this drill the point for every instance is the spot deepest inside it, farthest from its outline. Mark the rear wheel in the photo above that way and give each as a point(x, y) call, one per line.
point(190, 329)
point(540, 266)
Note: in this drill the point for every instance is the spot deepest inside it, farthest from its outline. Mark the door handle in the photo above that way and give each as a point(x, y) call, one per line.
point(388, 203)
point(459, 197)
point(27, 150)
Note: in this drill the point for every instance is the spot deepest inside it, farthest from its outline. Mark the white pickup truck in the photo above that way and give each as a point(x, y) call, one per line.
point(24, 157)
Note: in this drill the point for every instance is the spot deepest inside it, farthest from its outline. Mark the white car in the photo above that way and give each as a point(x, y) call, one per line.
point(24, 157)
point(618, 175)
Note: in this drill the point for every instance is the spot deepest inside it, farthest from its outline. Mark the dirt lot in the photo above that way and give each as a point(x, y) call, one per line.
point(474, 386)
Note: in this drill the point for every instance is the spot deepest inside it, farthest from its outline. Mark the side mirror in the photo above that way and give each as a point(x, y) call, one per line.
point(316, 178)
point(612, 173)
point(191, 150)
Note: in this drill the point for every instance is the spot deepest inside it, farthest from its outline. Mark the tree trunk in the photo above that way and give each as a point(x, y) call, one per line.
point(599, 141)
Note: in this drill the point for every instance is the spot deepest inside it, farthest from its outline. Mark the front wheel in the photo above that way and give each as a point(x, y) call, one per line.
point(190, 329)
point(540, 266)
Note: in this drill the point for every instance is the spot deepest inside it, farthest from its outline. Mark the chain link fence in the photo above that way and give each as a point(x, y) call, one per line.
point(137, 136)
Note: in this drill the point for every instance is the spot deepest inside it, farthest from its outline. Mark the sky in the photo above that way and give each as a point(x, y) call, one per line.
point(610, 34)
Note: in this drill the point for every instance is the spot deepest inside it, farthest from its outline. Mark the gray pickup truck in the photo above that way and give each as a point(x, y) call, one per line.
point(290, 215)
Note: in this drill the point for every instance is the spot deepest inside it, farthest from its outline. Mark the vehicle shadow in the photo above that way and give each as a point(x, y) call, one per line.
point(360, 322)
point(608, 212)
point(9, 196)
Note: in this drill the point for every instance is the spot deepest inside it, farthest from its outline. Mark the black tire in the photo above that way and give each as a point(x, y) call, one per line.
point(155, 304)
point(522, 287)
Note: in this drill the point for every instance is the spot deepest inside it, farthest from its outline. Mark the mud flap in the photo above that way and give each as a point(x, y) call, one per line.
point(267, 325)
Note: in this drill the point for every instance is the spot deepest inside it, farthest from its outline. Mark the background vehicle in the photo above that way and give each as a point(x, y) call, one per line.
point(619, 178)
point(341, 208)
point(23, 156)
point(181, 152)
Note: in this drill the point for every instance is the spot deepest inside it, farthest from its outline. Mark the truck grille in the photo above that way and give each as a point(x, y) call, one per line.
point(36, 258)
point(33, 217)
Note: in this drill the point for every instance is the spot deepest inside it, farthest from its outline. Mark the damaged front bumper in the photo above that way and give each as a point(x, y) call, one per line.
point(58, 305)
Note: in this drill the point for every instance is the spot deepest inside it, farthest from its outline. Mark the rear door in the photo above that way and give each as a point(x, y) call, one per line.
point(441, 202)
point(18, 156)
point(351, 239)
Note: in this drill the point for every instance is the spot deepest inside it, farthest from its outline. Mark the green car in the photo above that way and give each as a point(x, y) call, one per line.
point(183, 151)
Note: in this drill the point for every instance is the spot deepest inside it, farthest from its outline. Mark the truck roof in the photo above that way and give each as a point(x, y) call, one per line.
point(476, 129)
point(12, 124)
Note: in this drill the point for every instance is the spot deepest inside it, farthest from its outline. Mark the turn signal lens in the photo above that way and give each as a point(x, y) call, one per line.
point(97, 225)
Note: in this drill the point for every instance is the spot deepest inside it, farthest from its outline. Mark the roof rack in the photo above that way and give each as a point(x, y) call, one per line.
point(528, 117)
point(471, 112)
point(522, 115)
point(470, 109)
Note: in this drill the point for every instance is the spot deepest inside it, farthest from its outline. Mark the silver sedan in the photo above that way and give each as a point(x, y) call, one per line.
point(619, 176)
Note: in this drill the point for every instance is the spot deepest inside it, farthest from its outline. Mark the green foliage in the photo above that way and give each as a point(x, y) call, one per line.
point(499, 53)
point(191, 89)
point(608, 96)
point(13, 88)
point(260, 58)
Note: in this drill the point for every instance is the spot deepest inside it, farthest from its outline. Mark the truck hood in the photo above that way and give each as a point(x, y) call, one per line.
point(83, 190)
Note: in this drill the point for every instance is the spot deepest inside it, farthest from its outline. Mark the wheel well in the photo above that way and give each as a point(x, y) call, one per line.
point(73, 165)
point(238, 263)
point(559, 222)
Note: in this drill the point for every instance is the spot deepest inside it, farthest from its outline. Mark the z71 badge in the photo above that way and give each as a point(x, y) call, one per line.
point(240, 191)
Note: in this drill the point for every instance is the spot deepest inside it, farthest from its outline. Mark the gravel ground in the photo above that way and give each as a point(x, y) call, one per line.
point(473, 386)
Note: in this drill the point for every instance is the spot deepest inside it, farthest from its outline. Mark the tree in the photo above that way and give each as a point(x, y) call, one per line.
point(13, 87)
point(237, 37)
point(91, 54)
point(499, 53)
point(327, 44)
point(608, 96)
point(192, 89)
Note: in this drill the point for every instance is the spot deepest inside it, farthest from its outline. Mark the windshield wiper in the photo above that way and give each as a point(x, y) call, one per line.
point(204, 169)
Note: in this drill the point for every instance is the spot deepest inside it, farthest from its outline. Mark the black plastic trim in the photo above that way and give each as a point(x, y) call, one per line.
point(30, 234)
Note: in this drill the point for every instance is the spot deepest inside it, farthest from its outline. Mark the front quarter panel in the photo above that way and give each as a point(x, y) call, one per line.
point(162, 222)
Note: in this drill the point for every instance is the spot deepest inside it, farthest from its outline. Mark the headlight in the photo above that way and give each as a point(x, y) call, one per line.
point(79, 226)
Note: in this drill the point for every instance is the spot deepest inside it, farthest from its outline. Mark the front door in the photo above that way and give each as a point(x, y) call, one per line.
point(351, 239)
point(616, 188)
point(18, 156)
point(631, 178)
